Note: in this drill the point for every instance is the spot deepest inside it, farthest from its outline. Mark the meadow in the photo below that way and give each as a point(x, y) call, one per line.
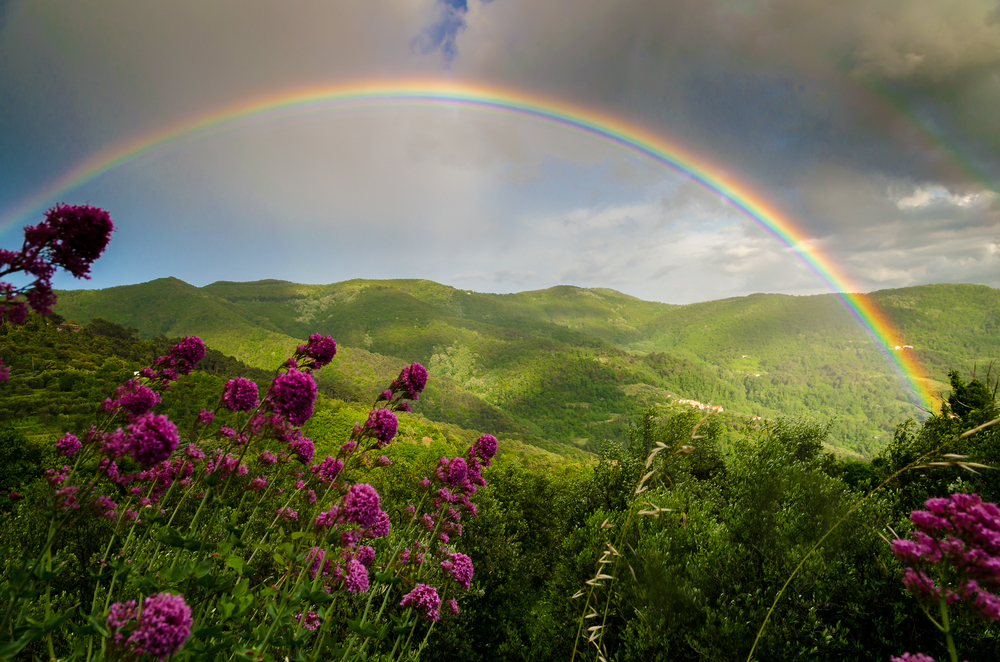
point(171, 499)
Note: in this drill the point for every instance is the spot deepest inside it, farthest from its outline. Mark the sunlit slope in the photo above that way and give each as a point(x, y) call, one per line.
point(572, 364)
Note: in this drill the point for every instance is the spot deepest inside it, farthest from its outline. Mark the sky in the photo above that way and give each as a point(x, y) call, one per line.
point(871, 126)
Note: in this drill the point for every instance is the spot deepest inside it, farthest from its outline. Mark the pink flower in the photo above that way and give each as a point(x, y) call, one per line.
point(68, 445)
point(423, 598)
point(164, 626)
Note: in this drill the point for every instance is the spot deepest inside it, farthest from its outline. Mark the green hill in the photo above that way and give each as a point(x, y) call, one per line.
point(568, 364)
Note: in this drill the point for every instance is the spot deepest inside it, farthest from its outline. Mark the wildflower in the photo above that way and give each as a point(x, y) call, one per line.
point(383, 425)
point(106, 505)
point(119, 616)
point(362, 504)
point(187, 353)
point(455, 471)
point(959, 536)
point(315, 558)
point(459, 566)
point(74, 235)
point(303, 448)
point(326, 519)
point(411, 381)
point(486, 448)
point(135, 397)
point(194, 453)
point(151, 439)
point(164, 626)
point(68, 445)
point(206, 416)
point(267, 458)
point(311, 622)
point(321, 349)
point(240, 394)
point(380, 527)
point(293, 394)
point(356, 580)
point(286, 513)
point(365, 555)
point(452, 605)
point(327, 470)
point(423, 598)
point(383, 461)
point(912, 657)
point(57, 476)
point(258, 483)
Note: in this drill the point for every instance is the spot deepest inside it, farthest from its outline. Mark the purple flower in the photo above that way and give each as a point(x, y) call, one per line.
point(78, 236)
point(240, 394)
point(68, 445)
point(311, 621)
point(912, 657)
point(293, 394)
point(380, 528)
point(135, 397)
point(151, 439)
point(4, 371)
point(267, 458)
point(206, 416)
point(303, 448)
point(960, 534)
point(423, 598)
point(187, 353)
point(456, 471)
point(164, 626)
point(362, 504)
point(486, 448)
point(356, 580)
point(327, 519)
point(383, 424)
point(121, 613)
point(314, 557)
point(327, 470)
point(258, 484)
point(459, 566)
point(286, 513)
point(411, 381)
point(452, 605)
point(365, 555)
point(321, 349)
point(383, 461)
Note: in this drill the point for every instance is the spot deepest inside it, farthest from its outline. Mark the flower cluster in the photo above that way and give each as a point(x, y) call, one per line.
point(70, 237)
point(318, 352)
point(240, 394)
point(134, 397)
point(292, 396)
point(162, 628)
point(425, 600)
point(958, 540)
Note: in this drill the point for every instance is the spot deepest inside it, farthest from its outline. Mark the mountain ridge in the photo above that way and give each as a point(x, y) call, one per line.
point(531, 358)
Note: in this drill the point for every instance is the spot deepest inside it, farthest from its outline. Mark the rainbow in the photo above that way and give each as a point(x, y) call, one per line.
point(492, 99)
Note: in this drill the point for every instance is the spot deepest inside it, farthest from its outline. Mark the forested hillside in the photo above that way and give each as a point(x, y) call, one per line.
point(569, 364)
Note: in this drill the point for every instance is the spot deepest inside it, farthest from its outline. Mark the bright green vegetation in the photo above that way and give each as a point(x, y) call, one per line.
point(568, 365)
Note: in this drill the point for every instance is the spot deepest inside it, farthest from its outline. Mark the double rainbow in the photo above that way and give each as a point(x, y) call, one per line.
point(495, 100)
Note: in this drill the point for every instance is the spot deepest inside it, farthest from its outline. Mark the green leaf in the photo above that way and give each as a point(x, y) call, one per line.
point(203, 568)
point(98, 625)
point(235, 562)
point(170, 536)
point(227, 609)
point(241, 588)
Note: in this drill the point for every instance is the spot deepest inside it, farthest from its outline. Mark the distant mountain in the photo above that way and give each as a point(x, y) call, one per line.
point(573, 364)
